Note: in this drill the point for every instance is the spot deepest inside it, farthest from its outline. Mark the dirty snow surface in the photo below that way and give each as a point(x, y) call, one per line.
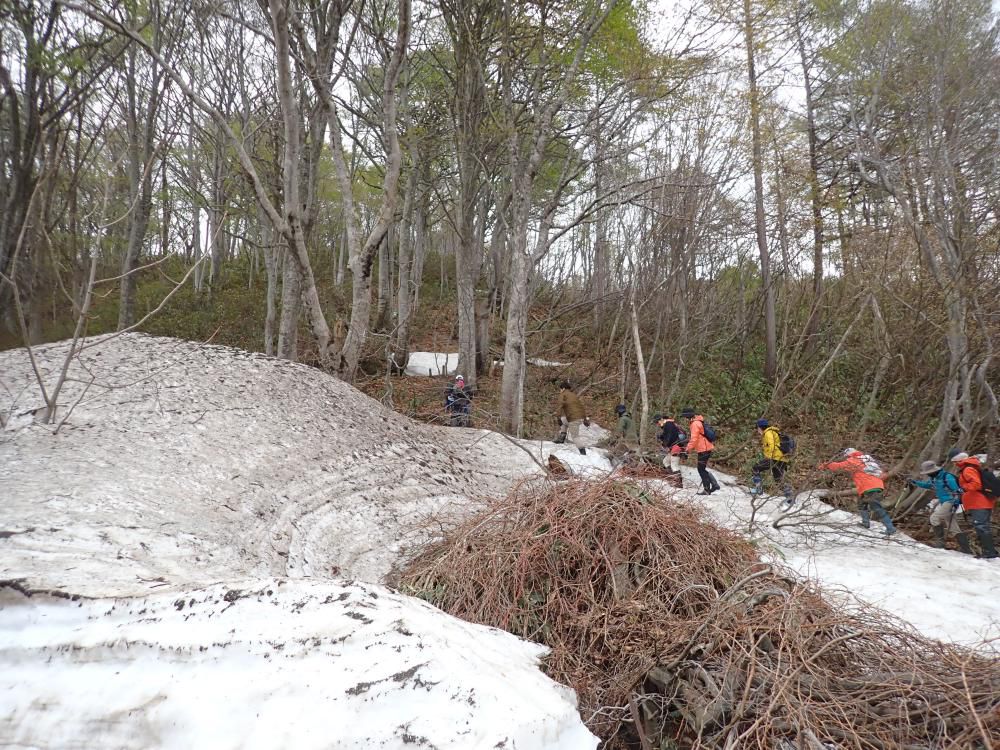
point(175, 562)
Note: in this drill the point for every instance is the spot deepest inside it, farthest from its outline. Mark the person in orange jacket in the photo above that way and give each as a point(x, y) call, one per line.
point(867, 477)
point(977, 504)
point(702, 447)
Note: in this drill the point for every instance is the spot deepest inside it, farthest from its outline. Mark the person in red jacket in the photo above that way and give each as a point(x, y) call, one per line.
point(702, 447)
point(977, 504)
point(867, 477)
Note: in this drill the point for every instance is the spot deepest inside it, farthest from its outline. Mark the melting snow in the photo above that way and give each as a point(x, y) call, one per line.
point(183, 465)
point(186, 472)
point(271, 664)
point(428, 364)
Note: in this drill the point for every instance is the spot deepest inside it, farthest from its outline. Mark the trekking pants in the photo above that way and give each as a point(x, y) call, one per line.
point(573, 432)
point(944, 515)
point(708, 480)
point(672, 462)
point(980, 520)
point(870, 504)
point(777, 469)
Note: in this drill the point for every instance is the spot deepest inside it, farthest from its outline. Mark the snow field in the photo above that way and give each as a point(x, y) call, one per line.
point(271, 664)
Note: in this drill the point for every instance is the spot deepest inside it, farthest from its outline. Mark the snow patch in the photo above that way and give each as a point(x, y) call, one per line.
point(271, 664)
point(185, 464)
point(943, 594)
point(429, 364)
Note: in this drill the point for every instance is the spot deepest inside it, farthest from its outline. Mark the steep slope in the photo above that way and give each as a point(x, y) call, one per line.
point(185, 463)
point(172, 560)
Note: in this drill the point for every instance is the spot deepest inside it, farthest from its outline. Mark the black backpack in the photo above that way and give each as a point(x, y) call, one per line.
point(786, 443)
point(710, 432)
point(990, 482)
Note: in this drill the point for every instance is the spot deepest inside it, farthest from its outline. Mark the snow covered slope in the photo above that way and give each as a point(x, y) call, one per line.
point(943, 594)
point(186, 463)
point(271, 664)
point(169, 562)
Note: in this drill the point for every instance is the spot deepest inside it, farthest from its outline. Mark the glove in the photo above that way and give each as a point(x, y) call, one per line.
point(958, 509)
point(586, 421)
point(910, 482)
point(932, 505)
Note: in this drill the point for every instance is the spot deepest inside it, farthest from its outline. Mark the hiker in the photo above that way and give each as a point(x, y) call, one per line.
point(977, 504)
point(572, 415)
point(946, 504)
point(458, 402)
point(673, 440)
point(867, 477)
point(625, 429)
point(702, 447)
point(774, 461)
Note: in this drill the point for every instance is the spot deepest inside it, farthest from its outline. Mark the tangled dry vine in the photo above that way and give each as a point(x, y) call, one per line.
point(674, 633)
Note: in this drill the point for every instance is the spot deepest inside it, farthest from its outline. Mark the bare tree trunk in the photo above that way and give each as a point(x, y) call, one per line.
point(511, 385)
point(290, 184)
point(141, 129)
point(342, 252)
point(267, 238)
point(404, 281)
point(770, 320)
point(640, 366)
point(194, 175)
point(384, 282)
point(815, 199)
point(291, 301)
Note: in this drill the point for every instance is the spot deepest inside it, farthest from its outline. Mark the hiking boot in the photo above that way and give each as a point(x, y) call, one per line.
point(938, 537)
point(889, 530)
point(703, 492)
point(963, 542)
point(583, 451)
point(865, 523)
point(787, 503)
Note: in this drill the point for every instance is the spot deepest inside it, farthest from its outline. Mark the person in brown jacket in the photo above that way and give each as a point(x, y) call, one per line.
point(572, 414)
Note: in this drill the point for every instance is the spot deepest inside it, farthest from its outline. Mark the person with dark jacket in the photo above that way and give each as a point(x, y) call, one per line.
point(977, 504)
point(572, 415)
point(625, 429)
point(774, 461)
point(946, 504)
point(702, 447)
point(673, 442)
point(458, 402)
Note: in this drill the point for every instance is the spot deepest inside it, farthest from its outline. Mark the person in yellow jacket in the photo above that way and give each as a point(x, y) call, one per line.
point(774, 461)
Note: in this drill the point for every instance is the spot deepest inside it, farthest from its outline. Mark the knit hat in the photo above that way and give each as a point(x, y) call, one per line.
point(762, 423)
point(687, 412)
point(620, 409)
point(849, 451)
point(929, 467)
point(954, 452)
point(956, 457)
point(459, 377)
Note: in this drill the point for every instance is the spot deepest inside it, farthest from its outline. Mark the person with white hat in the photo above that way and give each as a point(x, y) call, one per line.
point(978, 504)
point(946, 505)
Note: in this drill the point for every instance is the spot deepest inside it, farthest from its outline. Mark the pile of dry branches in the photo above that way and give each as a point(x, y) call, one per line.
point(674, 633)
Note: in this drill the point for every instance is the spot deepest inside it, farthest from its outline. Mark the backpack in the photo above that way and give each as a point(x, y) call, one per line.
point(871, 466)
point(786, 443)
point(990, 482)
point(710, 434)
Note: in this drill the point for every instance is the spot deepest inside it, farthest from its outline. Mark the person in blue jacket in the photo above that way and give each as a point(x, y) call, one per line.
point(946, 505)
